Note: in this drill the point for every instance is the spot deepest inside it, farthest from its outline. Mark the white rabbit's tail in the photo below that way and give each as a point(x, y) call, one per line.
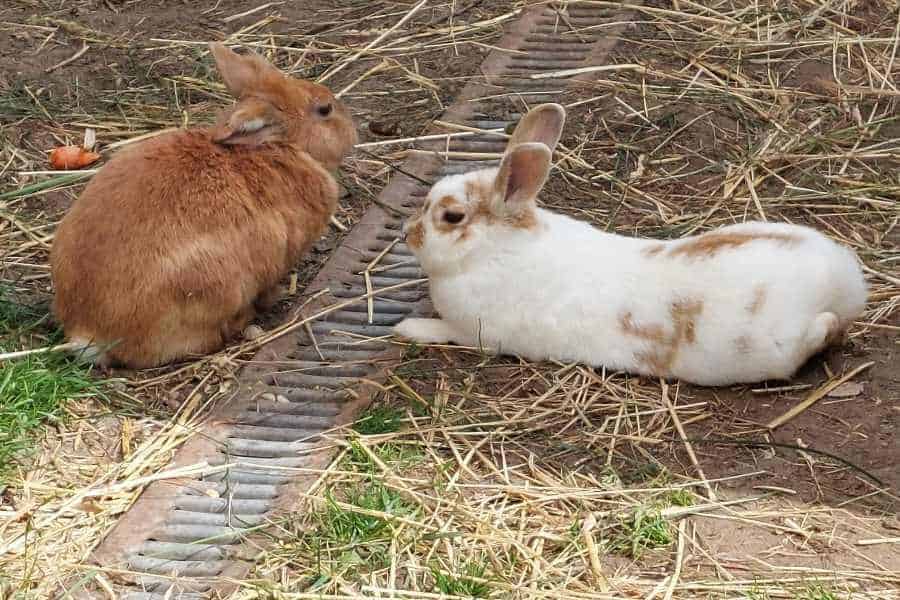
point(849, 300)
point(79, 348)
point(85, 349)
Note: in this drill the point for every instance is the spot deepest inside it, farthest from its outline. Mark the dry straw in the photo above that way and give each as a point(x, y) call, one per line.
point(525, 480)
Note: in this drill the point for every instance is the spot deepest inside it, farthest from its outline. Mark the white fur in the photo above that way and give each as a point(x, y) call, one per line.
point(560, 291)
point(84, 349)
point(253, 125)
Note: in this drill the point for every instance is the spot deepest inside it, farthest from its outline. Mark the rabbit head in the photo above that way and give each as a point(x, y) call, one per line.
point(462, 213)
point(274, 108)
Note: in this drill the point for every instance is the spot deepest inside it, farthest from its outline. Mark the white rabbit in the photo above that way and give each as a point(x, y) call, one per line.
point(740, 304)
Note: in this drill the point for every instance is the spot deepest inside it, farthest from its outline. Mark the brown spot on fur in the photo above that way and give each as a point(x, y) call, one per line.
point(742, 344)
point(525, 219)
point(759, 298)
point(651, 251)
point(477, 207)
point(653, 333)
point(415, 237)
point(480, 195)
point(684, 315)
point(479, 190)
point(663, 347)
point(443, 204)
point(709, 244)
point(446, 202)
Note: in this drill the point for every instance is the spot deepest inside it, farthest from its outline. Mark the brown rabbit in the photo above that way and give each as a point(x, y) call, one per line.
point(177, 241)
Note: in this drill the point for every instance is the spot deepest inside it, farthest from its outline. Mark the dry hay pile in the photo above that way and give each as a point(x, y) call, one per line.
point(479, 476)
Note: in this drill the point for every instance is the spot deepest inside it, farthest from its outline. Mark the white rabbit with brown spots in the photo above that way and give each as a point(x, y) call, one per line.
point(743, 303)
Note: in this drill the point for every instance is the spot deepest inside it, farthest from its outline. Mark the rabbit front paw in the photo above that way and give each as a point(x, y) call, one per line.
point(426, 331)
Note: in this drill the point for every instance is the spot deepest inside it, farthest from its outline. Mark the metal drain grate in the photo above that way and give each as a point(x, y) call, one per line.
point(186, 538)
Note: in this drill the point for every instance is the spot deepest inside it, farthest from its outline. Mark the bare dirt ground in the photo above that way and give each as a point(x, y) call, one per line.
point(512, 480)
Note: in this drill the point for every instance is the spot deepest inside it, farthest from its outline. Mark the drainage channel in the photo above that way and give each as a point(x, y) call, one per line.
point(193, 537)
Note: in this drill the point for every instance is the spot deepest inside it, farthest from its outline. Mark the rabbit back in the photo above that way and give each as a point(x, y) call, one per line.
point(742, 303)
point(171, 242)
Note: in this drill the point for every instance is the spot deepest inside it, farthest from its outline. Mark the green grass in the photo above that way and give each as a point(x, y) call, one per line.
point(346, 526)
point(757, 593)
point(339, 542)
point(644, 529)
point(817, 591)
point(17, 103)
point(466, 584)
point(412, 351)
point(379, 419)
point(396, 455)
point(350, 542)
point(643, 472)
point(33, 391)
point(681, 497)
point(15, 318)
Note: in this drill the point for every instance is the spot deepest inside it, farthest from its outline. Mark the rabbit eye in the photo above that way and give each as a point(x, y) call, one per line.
point(324, 110)
point(454, 217)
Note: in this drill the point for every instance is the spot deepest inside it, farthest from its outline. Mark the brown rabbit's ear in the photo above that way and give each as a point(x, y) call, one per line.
point(240, 72)
point(251, 122)
point(543, 123)
point(522, 174)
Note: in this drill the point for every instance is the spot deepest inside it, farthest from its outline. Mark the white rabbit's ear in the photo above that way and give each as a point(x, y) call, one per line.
point(543, 123)
point(522, 174)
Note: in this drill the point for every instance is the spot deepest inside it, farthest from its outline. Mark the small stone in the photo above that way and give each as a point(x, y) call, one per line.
point(385, 128)
point(892, 523)
point(846, 390)
point(253, 332)
point(270, 397)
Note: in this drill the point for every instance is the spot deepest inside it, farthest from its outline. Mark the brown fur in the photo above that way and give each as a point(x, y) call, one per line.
point(684, 315)
point(479, 190)
point(709, 244)
point(651, 251)
point(442, 205)
point(654, 333)
point(663, 344)
point(759, 299)
point(288, 107)
point(175, 239)
point(478, 209)
point(509, 197)
point(543, 123)
point(415, 236)
point(520, 177)
point(523, 218)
